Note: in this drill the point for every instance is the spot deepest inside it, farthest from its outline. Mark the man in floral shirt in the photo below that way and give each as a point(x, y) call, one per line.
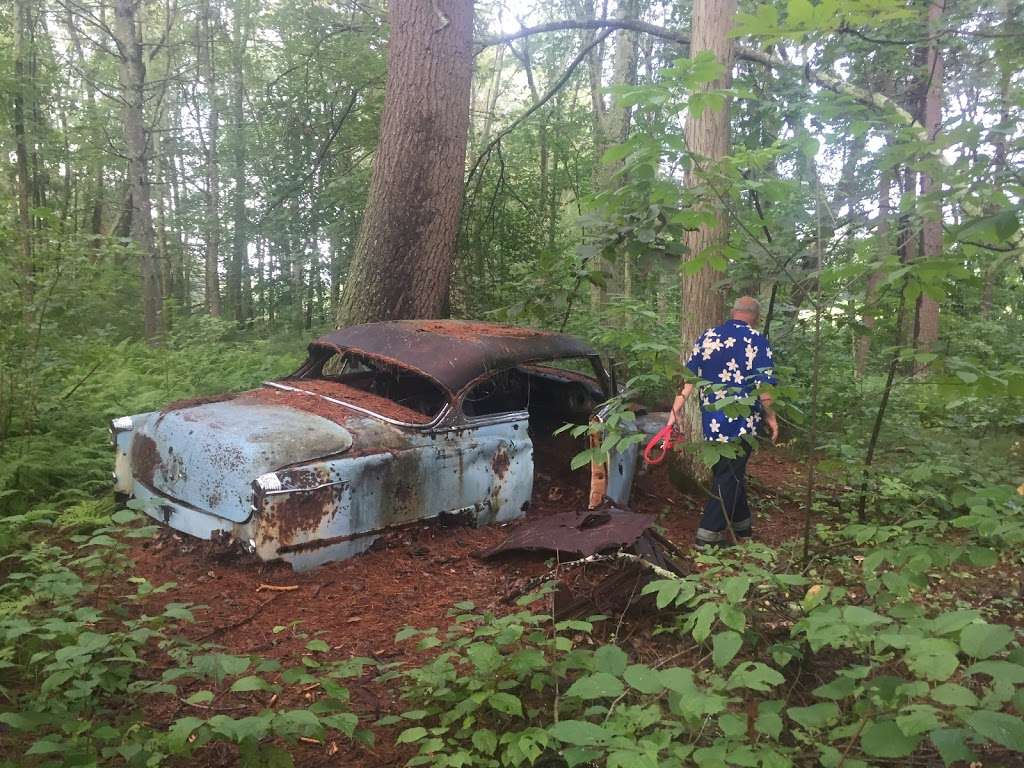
point(731, 362)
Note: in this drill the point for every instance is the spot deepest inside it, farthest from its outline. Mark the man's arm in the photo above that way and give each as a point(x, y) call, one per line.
point(769, 415)
point(675, 416)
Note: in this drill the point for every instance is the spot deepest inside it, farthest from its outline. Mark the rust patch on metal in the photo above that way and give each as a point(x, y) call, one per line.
point(450, 352)
point(500, 463)
point(192, 402)
point(300, 512)
point(145, 458)
point(577, 533)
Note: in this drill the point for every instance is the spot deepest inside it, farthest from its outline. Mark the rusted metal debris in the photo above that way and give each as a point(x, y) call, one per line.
point(451, 352)
point(580, 534)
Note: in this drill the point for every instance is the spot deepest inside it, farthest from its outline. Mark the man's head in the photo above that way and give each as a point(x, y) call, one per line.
point(747, 309)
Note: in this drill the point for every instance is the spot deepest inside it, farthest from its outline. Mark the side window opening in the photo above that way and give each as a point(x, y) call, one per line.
point(504, 392)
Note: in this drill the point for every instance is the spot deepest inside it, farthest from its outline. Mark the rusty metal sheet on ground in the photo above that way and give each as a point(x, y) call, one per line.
point(577, 533)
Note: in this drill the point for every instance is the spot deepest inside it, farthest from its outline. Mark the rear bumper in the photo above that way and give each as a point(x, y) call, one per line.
point(184, 518)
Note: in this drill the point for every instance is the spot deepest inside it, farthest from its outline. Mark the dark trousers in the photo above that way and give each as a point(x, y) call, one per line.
point(728, 501)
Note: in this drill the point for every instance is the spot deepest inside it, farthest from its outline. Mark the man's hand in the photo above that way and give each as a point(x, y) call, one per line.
point(773, 425)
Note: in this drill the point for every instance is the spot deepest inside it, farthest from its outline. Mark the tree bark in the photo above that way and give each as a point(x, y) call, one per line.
point(863, 348)
point(22, 84)
point(133, 94)
point(927, 325)
point(707, 139)
point(239, 234)
point(406, 249)
point(206, 67)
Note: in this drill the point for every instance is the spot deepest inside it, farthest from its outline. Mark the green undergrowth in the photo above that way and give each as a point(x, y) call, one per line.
point(877, 652)
point(55, 451)
point(91, 675)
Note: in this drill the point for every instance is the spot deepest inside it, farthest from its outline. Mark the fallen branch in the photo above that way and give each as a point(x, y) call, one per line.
point(276, 588)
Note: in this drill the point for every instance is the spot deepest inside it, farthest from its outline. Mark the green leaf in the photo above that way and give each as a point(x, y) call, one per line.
point(410, 735)
point(200, 697)
point(643, 679)
point(1005, 730)
point(953, 695)
point(816, 716)
point(952, 745)
point(317, 646)
point(579, 732)
point(252, 683)
point(932, 658)
point(999, 670)
point(725, 647)
point(984, 640)
point(610, 659)
point(599, 685)
point(754, 675)
point(485, 741)
point(177, 734)
point(883, 738)
point(859, 616)
point(506, 703)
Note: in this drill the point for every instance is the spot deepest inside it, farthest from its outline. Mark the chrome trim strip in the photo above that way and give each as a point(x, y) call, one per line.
point(396, 422)
point(305, 490)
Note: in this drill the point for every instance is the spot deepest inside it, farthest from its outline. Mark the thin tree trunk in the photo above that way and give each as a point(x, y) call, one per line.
point(707, 139)
point(133, 87)
point(927, 325)
point(863, 348)
point(406, 250)
point(206, 67)
point(22, 85)
point(239, 242)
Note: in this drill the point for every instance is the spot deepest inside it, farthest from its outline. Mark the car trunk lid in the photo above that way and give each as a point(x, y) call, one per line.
point(207, 456)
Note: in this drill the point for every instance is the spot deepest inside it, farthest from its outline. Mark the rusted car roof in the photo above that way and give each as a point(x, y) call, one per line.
point(452, 352)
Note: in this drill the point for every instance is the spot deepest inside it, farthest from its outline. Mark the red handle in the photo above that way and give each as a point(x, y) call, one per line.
point(660, 446)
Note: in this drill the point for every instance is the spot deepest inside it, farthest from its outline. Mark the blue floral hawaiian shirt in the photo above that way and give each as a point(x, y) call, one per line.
point(732, 360)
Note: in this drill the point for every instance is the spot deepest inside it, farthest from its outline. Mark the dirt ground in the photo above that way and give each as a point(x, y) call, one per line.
point(411, 577)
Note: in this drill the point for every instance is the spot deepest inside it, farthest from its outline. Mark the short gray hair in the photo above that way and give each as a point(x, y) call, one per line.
point(747, 304)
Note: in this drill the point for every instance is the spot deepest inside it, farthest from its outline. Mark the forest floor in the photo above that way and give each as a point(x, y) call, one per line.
point(410, 578)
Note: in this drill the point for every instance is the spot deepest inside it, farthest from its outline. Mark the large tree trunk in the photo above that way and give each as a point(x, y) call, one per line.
point(406, 249)
point(707, 138)
point(133, 85)
point(205, 61)
point(927, 326)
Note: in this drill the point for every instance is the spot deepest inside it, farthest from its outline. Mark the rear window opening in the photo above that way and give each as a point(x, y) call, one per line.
point(389, 390)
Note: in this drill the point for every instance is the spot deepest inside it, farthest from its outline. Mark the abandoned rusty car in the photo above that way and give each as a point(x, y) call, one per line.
point(383, 425)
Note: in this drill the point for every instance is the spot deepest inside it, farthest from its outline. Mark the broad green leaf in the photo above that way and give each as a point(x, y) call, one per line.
point(410, 735)
point(579, 732)
point(610, 659)
point(252, 683)
point(932, 658)
point(883, 738)
point(815, 717)
point(643, 678)
point(953, 695)
point(859, 616)
point(952, 745)
point(596, 686)
point(1005, 730)
point(506, 703)
point(984, 640)
point(725, 647)
point(178, 733)
point(485, 740)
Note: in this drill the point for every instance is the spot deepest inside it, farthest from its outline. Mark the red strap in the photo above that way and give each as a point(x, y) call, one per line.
point(659, 446)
